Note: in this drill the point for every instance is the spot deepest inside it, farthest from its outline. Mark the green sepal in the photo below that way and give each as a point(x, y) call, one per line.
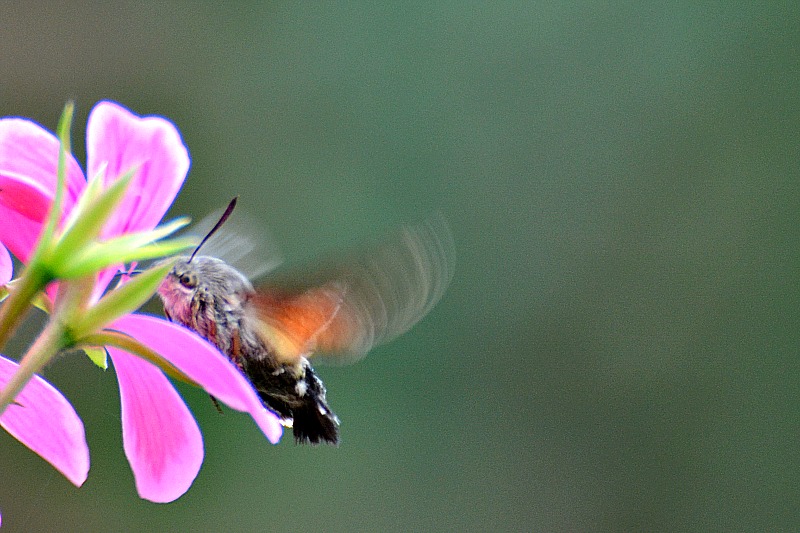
point(101, 255)
point(138, 246)
point(41, 302)
point(122, 300)
point(54, 215)
point(90, 216)
point(139, 239)
point(98, 356)
point(93, 190)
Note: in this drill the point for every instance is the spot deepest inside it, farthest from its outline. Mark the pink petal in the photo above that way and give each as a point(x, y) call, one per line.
point(161, 439)
point(44, 421)
point(204, 364)
point(18, 233)
point(123, 141)
point(28, 164)
point(27, 149)
point(6, 266)
point(25, 196)
point(23, 206)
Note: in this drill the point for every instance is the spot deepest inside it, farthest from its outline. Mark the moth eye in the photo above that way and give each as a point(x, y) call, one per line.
point(188, 280)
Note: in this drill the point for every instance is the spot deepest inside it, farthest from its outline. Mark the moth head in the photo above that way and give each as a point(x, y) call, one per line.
point(208, 276)
point(199, 274)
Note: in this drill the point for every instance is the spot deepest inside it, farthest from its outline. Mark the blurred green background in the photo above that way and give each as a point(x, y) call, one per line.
point(618, 350)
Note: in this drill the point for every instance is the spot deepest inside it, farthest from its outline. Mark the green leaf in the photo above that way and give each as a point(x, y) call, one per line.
point(98, 356)
point(120, 301)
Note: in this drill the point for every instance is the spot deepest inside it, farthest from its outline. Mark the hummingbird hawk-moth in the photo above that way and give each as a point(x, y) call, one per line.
point(271, 331)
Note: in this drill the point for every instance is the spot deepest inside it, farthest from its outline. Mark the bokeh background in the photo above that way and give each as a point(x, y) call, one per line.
point(618, 350)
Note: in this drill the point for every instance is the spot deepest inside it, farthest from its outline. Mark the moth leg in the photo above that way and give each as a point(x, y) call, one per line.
point(236, 350)
point(216, 404)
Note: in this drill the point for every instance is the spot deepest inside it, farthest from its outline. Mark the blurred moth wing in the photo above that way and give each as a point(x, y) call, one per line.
point(362, 301)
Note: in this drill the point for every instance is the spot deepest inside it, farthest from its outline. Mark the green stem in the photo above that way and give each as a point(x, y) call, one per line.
point(47, 345)
point(19, 301)
point(108, 337)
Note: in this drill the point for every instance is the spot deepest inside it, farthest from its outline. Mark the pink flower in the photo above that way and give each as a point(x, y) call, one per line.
point(161, 439)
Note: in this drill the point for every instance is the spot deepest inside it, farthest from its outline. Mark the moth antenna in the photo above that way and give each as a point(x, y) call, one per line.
point(219, 224)
point(127, 273)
